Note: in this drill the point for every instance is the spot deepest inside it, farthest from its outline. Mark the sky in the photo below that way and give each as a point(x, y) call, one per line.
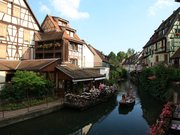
point(109, 25)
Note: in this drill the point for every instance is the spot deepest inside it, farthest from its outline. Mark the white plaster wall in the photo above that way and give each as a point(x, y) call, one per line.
point(105, 71)
point(2, 78)
point(88, 57)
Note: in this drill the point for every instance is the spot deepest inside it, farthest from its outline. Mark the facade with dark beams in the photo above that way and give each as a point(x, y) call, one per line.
point(18, 26)
point(164, 43)
point(46, 49)
point(59, 40)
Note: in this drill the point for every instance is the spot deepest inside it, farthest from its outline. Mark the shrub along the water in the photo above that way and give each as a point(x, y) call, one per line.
point(26, 84)
point(156, 81)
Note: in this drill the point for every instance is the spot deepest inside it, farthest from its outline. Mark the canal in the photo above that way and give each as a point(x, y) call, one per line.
point(104, 119)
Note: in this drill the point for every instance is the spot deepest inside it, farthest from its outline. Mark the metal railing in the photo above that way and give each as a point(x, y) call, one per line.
point(10, 109)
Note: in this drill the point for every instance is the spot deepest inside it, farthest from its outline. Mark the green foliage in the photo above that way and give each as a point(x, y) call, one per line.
point(158, 86)
point(26, 84)
point(121, 55)
point(117, 71)
point(130, 52)
point(8, 93)
point(113, 59)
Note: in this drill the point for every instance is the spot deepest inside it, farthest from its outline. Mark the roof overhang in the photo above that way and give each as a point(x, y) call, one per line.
point(82, 80)
point(100, 78)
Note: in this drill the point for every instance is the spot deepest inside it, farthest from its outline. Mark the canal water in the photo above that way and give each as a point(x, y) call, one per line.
point(104, 119)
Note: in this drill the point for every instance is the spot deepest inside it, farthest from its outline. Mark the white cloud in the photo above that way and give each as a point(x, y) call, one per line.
point(69, 8)
point(44, 9)
point(159, 4)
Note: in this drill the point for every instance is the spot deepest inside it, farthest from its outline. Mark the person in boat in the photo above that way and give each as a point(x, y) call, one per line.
point(129, 95)
point(123, 98)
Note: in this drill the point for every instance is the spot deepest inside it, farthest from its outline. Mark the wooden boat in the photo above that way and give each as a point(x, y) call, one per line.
point(127, 102)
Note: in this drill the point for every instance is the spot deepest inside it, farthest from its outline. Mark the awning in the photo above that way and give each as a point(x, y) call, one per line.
point(99, 78)
point(82, 80)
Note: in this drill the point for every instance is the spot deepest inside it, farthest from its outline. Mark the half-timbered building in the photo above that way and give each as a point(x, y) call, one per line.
point(18, 26)
point(164, 42)
point(59, 40)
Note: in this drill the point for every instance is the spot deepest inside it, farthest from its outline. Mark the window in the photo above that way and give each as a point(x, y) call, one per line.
point(3, 7)
point(16, 11)
point(71, 34)
point(177, 30)
point(68, 32)
point(26, 35)
point(73, 47)
point(157, 59)
point(166, 58)
point(74, 61)
point(3, 30)
point(60, 23)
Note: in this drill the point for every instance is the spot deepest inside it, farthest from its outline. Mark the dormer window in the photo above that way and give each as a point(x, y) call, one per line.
point(60, 23)
point(70, 33)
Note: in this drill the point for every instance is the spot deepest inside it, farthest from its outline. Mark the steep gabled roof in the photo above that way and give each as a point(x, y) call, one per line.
point(67, 27)
point(99, 54)
point(25, 1)
point(133, 59)
point(163, 30)
point(62, 29)
point(176, 55)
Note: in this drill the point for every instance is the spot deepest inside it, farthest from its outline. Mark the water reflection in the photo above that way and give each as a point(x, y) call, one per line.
point(151, 107)
point(125, 110)
point(103, 119)
point(64, 122)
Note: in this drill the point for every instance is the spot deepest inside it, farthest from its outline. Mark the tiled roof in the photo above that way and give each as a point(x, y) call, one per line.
point(77, 73)
point(52, 35)
point(165, 27)
point(6, 65)
point(133, 59)
point(101, 55)
point(67, 27)
point(35, 65)
point(31, 65)
point(176, 55)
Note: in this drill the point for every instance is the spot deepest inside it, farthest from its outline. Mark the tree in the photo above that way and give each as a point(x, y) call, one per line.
point(27, 83)
point(113, 59)
point(121, 55)
point(130, 52)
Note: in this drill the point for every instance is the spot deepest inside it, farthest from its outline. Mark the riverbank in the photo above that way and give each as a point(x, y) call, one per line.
point(11, 117)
